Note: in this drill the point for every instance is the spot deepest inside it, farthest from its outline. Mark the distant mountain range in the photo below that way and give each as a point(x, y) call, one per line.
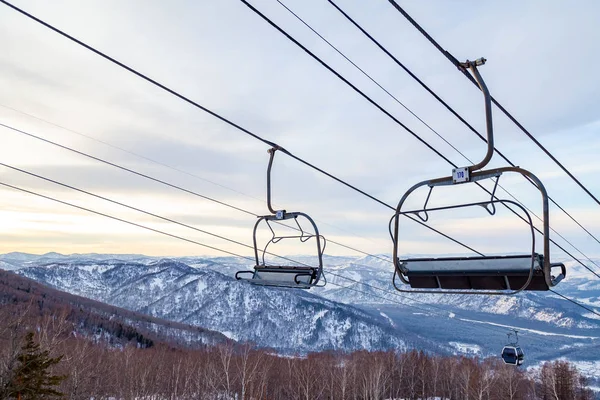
point(361, 311)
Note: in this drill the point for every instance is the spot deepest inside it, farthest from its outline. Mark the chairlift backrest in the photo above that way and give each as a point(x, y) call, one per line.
point(479, 274)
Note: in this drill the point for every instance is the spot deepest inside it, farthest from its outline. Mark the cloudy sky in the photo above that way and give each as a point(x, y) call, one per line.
point(542, 66)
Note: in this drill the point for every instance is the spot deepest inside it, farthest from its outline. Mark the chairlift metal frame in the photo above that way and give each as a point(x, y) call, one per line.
point(475, 173)
point(291, 276)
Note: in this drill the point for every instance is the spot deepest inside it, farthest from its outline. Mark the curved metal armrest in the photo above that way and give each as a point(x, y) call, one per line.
point(561, 276)
point(402, 278)
point(243, 272)
point(302, 274)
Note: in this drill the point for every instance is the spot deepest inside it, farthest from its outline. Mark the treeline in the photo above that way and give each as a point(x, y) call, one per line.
point(90, 367)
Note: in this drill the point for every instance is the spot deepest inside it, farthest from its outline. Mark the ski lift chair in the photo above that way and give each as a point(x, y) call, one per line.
point(512, 353)
point(294, 275)
point(478, 274)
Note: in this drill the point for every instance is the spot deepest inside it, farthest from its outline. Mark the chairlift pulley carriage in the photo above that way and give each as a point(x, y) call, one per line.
point(477, 274)
point(293, 275)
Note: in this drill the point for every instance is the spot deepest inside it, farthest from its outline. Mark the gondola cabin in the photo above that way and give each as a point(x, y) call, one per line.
point(513, 355)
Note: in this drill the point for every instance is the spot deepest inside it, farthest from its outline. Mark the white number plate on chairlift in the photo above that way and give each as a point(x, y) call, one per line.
point(460, 175)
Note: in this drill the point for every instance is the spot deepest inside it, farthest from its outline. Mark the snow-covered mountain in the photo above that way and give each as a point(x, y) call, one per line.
point(289, 321)
point(360, 311)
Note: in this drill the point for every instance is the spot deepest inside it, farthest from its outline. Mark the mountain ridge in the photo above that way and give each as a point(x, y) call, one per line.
point(190, 289)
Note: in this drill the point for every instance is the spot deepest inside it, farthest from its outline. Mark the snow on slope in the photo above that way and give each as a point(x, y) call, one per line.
point(196, 291)
point(287, 320)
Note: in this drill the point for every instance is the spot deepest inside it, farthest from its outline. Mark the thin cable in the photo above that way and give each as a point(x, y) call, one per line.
point(456, 63)
point(112, 146)
point(576, 303)
point(174, 169)
point(124, 221)
point(171, 185)
point(449, 108)
point(369, 77)
point(223, 119)
point(31, 135)
point(387, 113)
point(346, 81)
point(427, 125)
point(139, 210)
point(187, 100)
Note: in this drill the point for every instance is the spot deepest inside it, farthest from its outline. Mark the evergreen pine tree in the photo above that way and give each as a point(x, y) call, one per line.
point(32, 378)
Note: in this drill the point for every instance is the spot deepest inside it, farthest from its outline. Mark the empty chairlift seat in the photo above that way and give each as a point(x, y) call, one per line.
point(477, 273)
point(292, 275)
point(285, 276)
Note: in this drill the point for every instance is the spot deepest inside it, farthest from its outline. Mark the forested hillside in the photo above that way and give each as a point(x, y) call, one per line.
point(102, 357)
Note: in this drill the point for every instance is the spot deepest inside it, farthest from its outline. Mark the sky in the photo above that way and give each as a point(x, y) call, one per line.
point(542, 66)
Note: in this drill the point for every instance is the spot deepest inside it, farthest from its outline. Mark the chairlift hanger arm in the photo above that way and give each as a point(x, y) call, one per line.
point(472, 65)
point(271, 152)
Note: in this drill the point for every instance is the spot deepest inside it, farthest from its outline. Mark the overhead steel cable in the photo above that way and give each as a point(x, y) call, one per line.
point(131, 171)
point(388, 114)
point(161, 164)
point(456, 63)
point(449, 108)
point(343, 79)
point(194, 193)
point(223, 119)
point(369, 76)
point(431, 128)
point(170, 220)
point(123, 220)
point(575, 302)
point(112, 146)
